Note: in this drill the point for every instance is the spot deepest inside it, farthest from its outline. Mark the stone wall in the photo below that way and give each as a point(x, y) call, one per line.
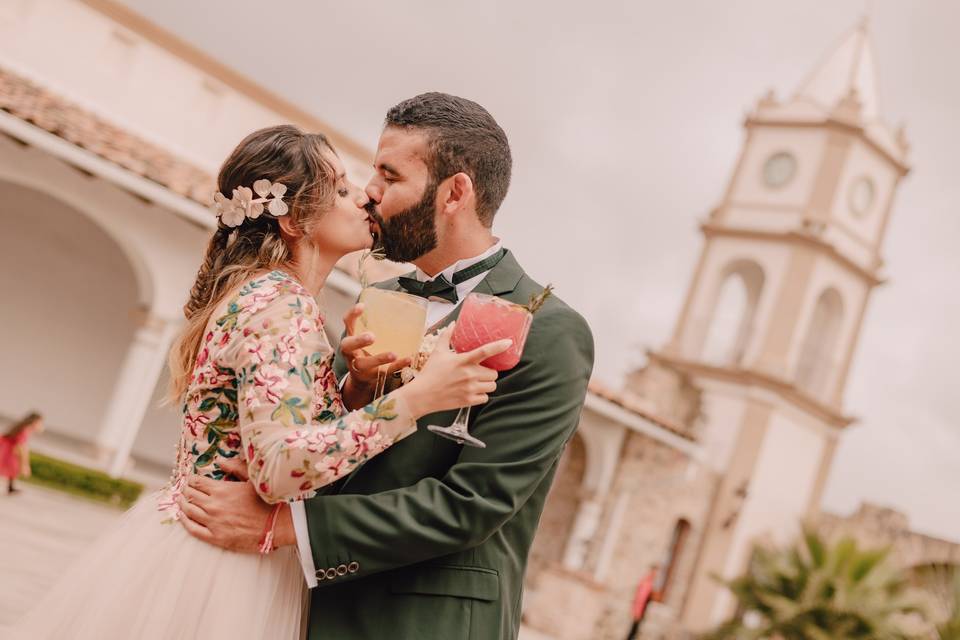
point(876, 526)
point(653, 487)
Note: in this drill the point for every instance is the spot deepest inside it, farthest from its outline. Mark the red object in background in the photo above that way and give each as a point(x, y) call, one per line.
point(10, 456)
point(643, 595)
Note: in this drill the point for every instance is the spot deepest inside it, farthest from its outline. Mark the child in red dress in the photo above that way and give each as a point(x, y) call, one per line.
point(14, 452)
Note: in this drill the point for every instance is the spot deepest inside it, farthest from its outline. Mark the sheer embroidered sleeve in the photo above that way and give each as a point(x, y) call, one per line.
point(289, 451)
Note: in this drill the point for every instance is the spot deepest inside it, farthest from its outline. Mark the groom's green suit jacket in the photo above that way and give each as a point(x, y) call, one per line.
point(430, 539)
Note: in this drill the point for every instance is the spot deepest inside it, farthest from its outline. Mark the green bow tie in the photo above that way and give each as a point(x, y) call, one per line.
point(444, 289)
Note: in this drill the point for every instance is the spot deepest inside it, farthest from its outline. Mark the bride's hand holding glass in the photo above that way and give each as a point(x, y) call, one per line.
point(450, 380)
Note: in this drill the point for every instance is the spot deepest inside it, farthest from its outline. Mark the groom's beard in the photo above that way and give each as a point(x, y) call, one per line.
point(411, 233)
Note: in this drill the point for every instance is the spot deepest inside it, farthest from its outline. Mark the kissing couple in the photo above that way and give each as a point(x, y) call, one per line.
point(304, 502)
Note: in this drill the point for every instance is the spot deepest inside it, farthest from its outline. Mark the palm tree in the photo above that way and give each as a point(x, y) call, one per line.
point(941, 581)
point(949, 629)
point(820, 592)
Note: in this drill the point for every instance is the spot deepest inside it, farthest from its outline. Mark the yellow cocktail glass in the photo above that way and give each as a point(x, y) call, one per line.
point(397, 320)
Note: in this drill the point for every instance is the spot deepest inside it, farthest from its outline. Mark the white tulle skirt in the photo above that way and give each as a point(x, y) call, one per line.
point(153, 581)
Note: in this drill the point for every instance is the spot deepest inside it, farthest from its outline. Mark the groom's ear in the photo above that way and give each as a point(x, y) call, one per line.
point(458, 194)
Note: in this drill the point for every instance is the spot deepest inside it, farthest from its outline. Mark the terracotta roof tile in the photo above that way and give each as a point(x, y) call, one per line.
point(89, 131)
point(635, 405)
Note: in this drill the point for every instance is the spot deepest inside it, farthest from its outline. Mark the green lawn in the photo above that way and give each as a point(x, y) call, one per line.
point(82, 481)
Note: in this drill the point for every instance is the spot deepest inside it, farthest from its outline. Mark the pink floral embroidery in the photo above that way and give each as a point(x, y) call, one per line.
point(233, 440)
point(287, 348)
point(271, 380)
point(297, 440)
point(300, 327)
point(195, 424)
point(258, 301)
point(331, 464)
point(256, 350)
point(366, 439)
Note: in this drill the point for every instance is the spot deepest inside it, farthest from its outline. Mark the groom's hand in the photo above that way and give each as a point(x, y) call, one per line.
point(363, 367)
point(230, 515)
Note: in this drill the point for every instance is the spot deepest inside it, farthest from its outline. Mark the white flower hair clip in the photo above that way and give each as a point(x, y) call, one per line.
point(232, 212)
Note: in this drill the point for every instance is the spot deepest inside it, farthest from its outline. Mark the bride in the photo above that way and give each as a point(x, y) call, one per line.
point(252, 371)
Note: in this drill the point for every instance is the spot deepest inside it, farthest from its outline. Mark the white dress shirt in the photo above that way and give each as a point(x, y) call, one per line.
point(437, 310)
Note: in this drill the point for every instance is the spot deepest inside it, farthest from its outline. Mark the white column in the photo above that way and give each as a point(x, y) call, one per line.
point(134, 389)
point(603, 442)
point(584, 529)
point(605, 559)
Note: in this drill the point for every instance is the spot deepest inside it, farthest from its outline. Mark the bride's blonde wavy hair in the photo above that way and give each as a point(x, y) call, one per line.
point(283, 154)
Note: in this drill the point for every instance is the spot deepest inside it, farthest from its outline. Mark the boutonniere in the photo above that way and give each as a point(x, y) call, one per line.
point(427, 346)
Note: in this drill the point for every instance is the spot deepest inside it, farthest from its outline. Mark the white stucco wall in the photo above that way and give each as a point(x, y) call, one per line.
point(134, 83)
point(722, 406)
point(779, 493)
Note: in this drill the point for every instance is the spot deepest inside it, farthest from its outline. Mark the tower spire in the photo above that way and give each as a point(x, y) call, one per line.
point(848, 69)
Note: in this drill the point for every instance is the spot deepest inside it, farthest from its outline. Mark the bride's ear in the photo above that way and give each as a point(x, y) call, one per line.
point(288, 229)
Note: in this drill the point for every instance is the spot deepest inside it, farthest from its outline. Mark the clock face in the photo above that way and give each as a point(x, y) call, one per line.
point(779, 169)
point(862, 193)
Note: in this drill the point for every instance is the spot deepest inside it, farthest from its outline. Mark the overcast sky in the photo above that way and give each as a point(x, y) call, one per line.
point(625, 121)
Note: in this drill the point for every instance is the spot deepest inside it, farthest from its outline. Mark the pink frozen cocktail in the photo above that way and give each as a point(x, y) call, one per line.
point(485, 319)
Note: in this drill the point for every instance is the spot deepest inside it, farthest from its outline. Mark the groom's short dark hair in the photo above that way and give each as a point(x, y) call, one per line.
point(462, 137)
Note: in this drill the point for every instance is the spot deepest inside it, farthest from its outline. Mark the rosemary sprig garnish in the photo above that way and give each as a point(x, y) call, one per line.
point(537, 300)
point(376, 255)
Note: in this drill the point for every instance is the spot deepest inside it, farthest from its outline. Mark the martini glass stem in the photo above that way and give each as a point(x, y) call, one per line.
point(458, 430)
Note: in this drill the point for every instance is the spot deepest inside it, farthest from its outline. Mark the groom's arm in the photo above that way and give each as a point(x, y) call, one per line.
point(526, 424)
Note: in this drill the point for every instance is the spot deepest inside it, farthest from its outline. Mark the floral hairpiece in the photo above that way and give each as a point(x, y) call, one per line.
point(232, 212)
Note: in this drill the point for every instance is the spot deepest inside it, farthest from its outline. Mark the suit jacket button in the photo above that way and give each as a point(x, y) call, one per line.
point(342, 570)
point(353, 567)
point(331, 573)
point(321, 575)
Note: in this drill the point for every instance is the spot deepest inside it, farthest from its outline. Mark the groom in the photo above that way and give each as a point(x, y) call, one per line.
point(430, 539)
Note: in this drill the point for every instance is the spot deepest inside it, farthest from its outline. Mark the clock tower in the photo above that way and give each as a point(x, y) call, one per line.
point(772, 318)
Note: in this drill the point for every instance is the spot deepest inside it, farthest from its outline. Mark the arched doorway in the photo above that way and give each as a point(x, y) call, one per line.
point(68, 296)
